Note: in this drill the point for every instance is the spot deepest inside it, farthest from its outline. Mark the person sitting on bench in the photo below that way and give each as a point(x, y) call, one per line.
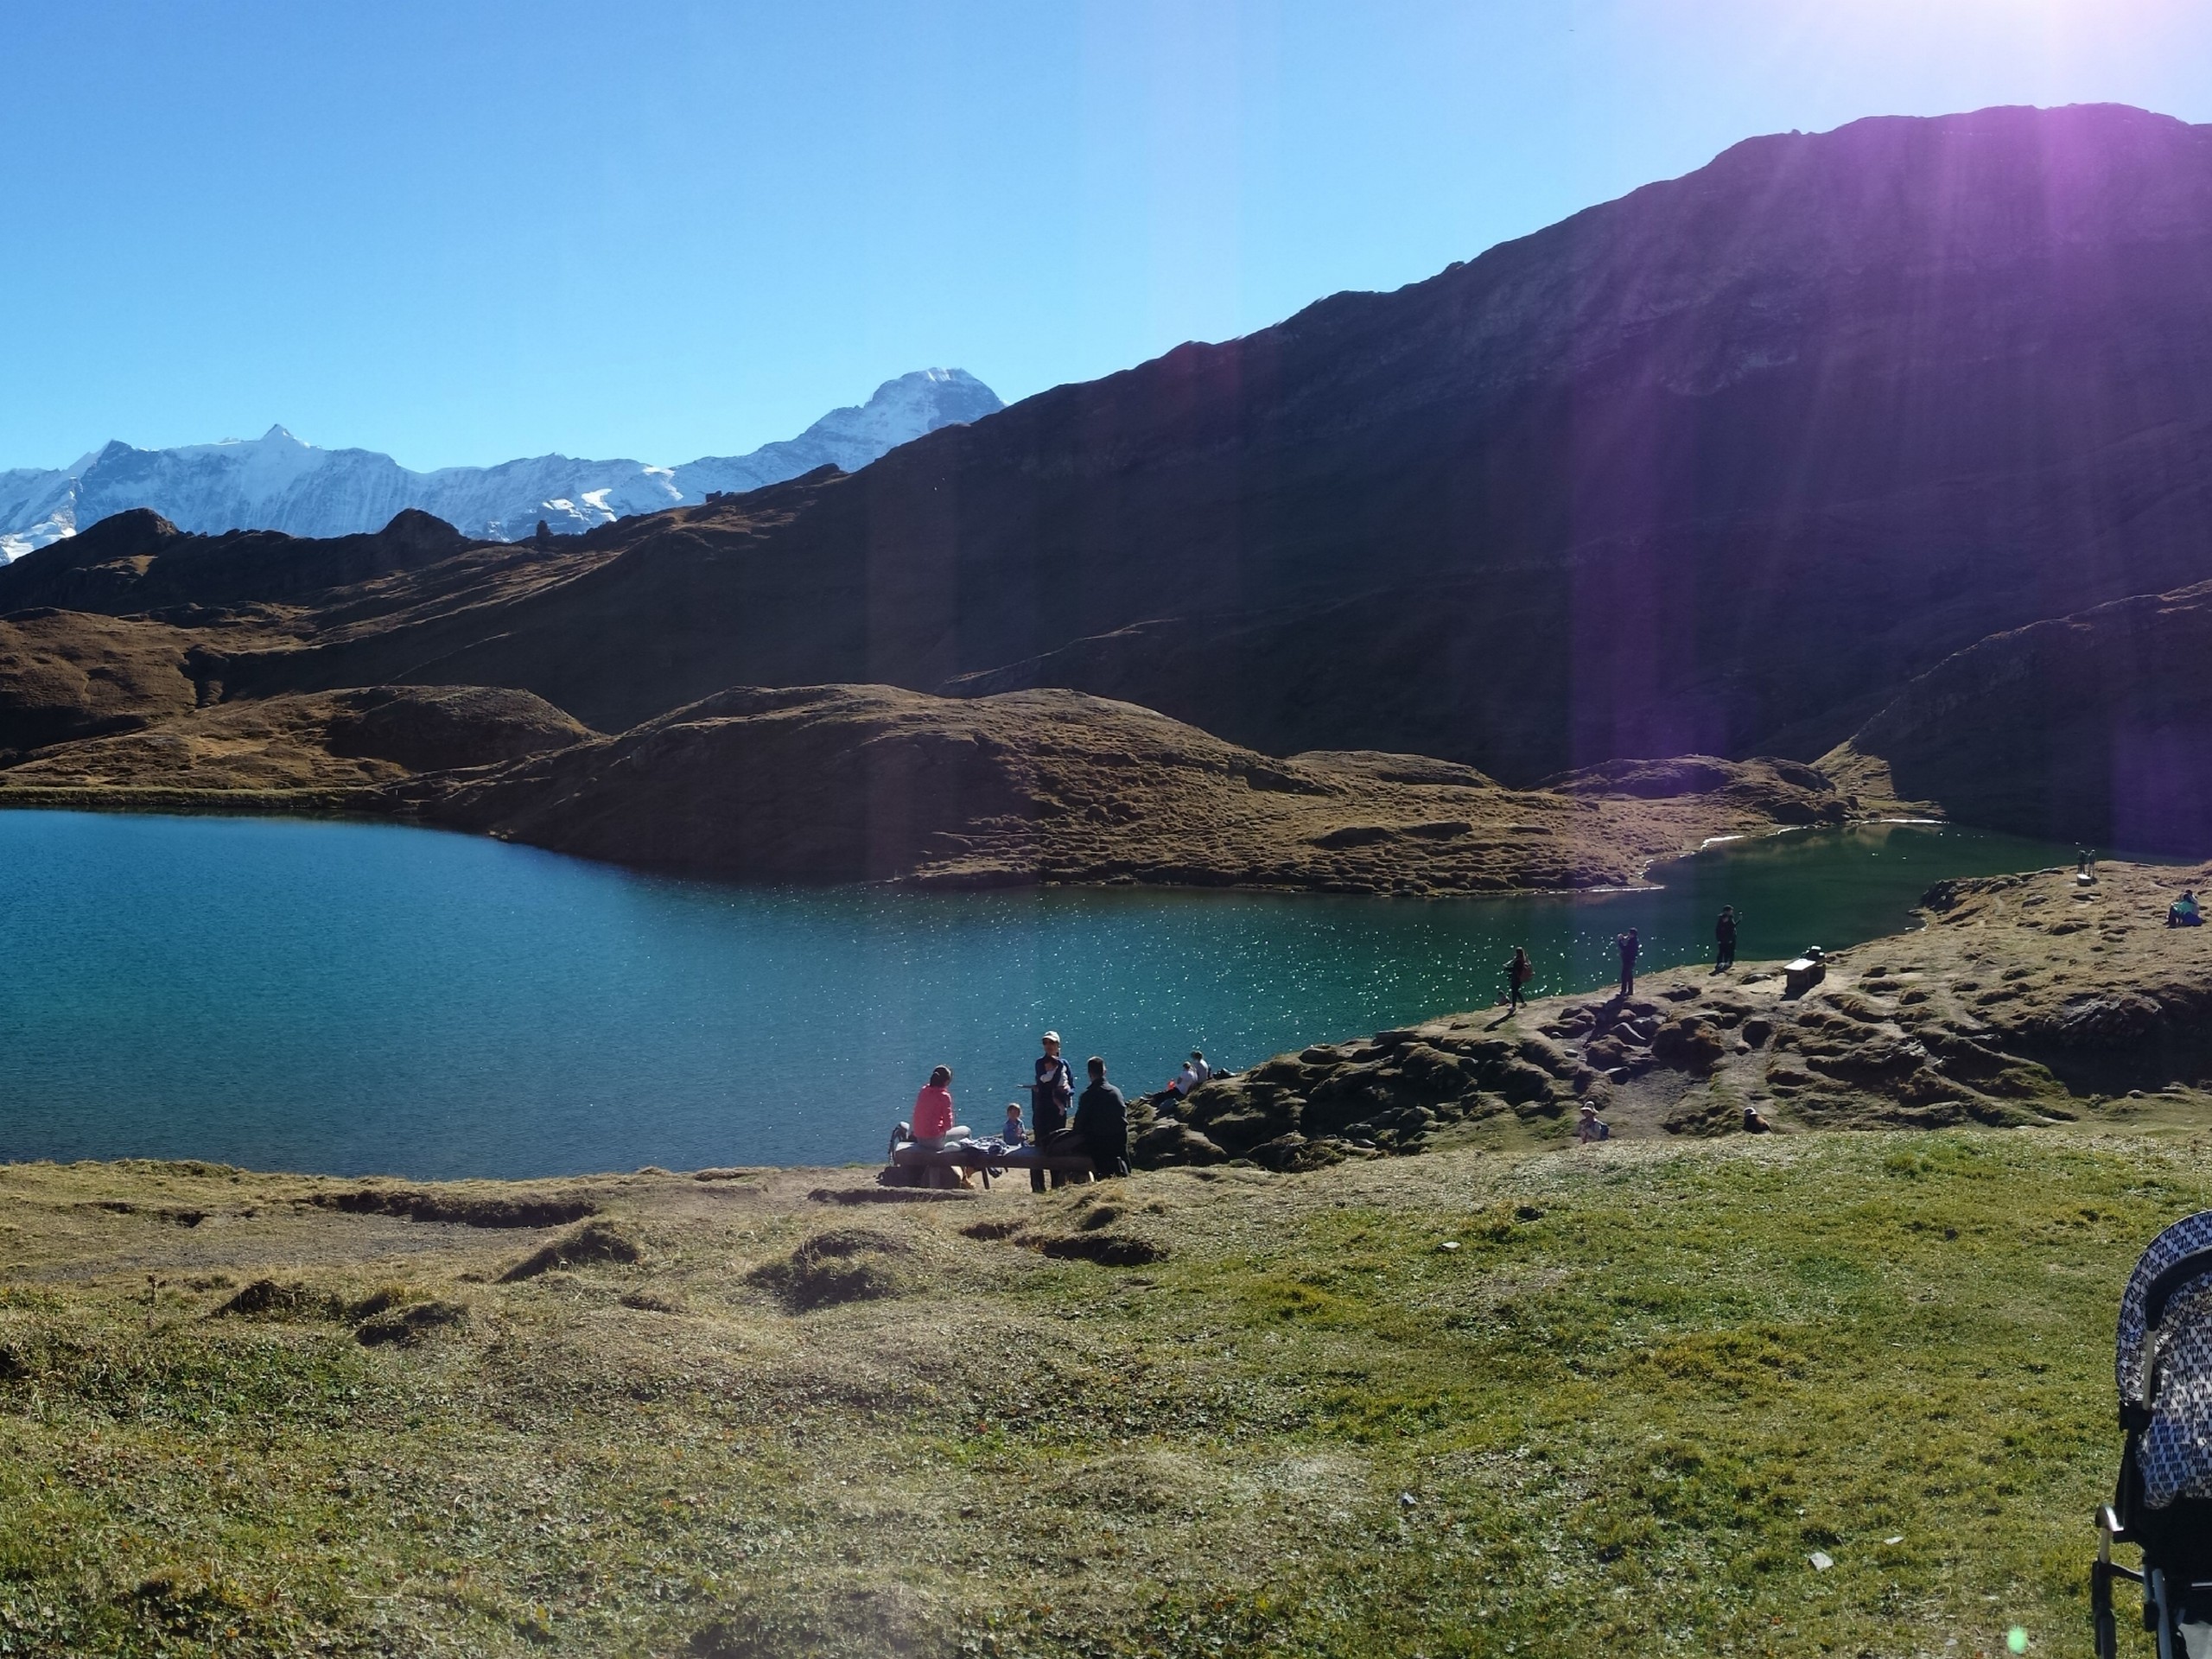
point(933, 1124)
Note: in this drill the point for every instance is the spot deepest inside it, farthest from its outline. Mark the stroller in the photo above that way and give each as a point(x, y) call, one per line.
point(2163, 1505)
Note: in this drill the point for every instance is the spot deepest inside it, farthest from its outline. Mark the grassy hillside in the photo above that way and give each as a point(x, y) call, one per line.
point(1465, 1403)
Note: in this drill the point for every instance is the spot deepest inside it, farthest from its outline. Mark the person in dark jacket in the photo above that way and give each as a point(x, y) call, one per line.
point(1102, 1123)
point(1049, 1099)
point(1628, 944)
point(1724, 935)
point(1518, 972)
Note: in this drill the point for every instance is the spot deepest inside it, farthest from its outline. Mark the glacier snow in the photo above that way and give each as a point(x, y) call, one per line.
point(276, 482)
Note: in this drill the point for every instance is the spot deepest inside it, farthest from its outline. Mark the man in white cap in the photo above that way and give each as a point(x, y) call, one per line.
point(1592, 1126)
point(1050, 1097)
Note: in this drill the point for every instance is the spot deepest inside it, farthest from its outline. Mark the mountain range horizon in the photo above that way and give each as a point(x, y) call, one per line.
point(278, 482)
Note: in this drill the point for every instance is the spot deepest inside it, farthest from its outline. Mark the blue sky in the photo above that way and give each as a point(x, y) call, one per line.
point(461, 232)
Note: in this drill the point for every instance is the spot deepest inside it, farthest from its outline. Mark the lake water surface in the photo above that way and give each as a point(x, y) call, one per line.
point(357, 998)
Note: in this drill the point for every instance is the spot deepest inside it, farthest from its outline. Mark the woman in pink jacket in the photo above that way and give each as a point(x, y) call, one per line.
point(933, 1109)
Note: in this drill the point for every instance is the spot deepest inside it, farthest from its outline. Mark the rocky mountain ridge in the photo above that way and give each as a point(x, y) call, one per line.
point(1728, 468)
point(277, 482)
point(1713, 468)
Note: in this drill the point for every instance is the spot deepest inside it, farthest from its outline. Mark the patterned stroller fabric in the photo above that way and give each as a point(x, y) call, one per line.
point(2163, 1361)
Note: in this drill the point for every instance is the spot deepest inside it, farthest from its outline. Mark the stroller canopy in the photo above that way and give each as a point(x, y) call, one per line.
point(2164, 1361)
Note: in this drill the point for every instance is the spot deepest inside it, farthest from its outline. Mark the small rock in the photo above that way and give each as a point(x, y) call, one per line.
point(1821, 1561)
point(1449, 1244)
point(1405, 1500)
point(1898, 1539)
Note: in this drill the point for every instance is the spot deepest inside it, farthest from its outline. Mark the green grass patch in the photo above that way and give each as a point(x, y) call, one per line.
point(1461, 1405)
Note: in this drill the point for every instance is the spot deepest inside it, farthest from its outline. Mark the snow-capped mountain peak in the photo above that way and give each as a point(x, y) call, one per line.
point(278, 482)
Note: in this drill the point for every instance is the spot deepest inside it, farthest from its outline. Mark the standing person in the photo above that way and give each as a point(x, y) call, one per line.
point(1518, 972)
point(1102, 1123)
point(1049, 1099)
point(1628, 944)
point(1723, 934)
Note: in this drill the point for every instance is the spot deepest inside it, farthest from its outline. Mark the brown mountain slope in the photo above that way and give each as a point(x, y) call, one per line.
point(1713, 467)
point(2096, 726)
point(843, 783)
point(319, 744)
point(65, 675)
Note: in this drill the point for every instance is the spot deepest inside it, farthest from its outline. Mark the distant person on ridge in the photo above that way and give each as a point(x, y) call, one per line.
point(2183, 912)
point(1198, 1064)
point(1723, 934)
point(1050, 1097)
point(1518, 973)
point(1628, 944)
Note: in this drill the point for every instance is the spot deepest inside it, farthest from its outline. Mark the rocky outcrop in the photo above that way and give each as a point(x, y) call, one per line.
point(137, 564)
point(2096, 726)
point(870, 783)
point(2024, 1000)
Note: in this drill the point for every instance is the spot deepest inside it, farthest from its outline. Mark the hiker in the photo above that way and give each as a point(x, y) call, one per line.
point(1518, 973)
point(1049, 1099)
point(1590, 1127)
point(1181, 1083)
point(2183, 912)
point(1198, 1064)
point(2085, 863)
point(933, 1124)
point(1010, 1132)
point(1724, 935)
point(1628, 944)
point(1102, 1123)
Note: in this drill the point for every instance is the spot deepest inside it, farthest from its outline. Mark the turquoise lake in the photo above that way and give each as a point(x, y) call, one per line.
point(355, 998)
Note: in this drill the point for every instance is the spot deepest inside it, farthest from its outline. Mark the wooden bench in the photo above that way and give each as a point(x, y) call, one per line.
point(907, 1155)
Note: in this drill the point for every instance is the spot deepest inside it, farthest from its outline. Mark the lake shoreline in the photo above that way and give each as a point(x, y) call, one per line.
point(1993, 1011)
point(836, 784)
point(374, 807)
